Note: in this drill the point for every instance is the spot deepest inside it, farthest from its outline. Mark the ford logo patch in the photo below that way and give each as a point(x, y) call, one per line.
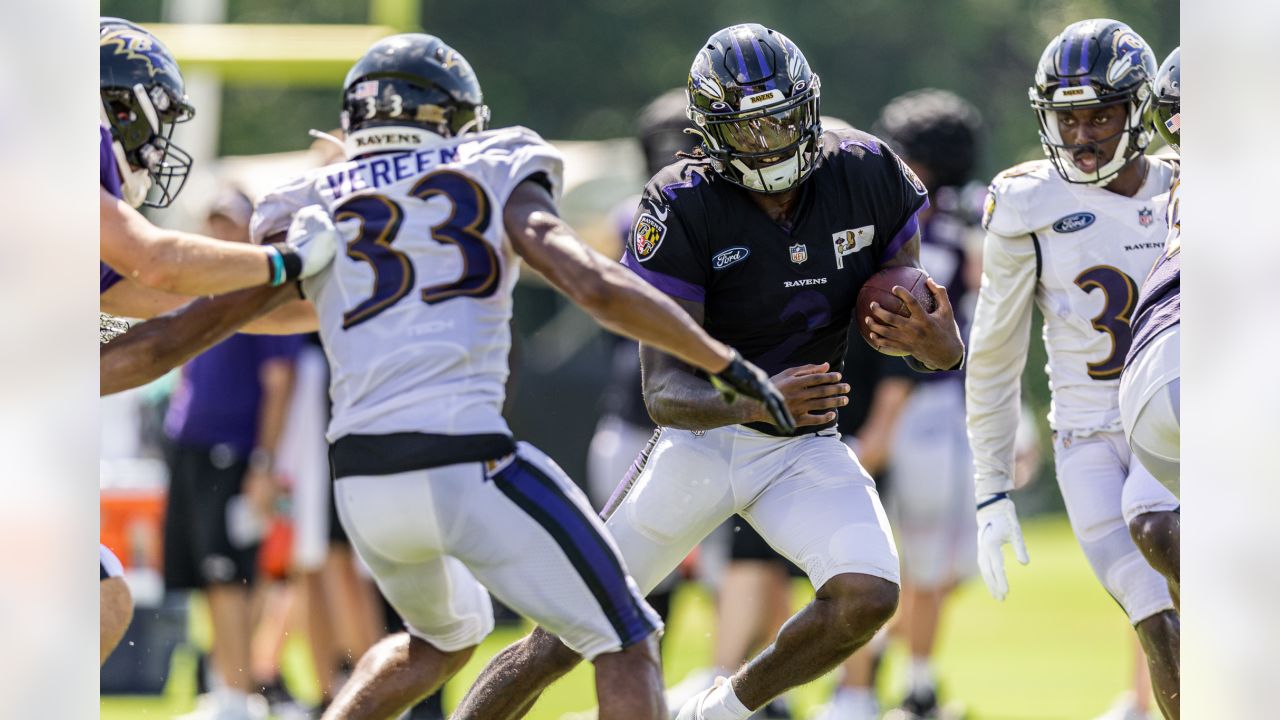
point(725, 258)
point(1072, 223)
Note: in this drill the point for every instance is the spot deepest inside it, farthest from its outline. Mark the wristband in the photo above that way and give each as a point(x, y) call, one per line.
point(275, 265)
point(261, 459)
point(290, 262)
point(993, 499)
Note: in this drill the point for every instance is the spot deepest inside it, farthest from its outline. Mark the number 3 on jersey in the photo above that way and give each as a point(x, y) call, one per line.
point(393, 275)
point(1120, 294)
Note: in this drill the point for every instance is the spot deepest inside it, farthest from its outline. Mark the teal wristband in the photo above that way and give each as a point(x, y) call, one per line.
point(275, 266)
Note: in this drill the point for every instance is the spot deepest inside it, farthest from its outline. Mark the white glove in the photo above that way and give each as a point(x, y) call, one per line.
point(313, 238)
point(998, 525)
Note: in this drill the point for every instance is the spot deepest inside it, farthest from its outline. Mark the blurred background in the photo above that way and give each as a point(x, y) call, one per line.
point(261, 73)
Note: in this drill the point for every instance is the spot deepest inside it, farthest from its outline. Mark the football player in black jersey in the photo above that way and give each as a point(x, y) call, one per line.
point(766, 237)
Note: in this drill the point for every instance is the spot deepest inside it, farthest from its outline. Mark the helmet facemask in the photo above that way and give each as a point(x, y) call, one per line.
point(142, 123)
point(1134, 136)
point(771, 149)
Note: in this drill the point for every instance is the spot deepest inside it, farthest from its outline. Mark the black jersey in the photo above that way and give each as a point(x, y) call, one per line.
point(783, 296)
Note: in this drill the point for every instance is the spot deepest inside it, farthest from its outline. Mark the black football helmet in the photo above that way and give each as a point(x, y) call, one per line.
point(1166, 107)
point(664, 130)
point(143, 99)
point(1092, 63)
point(754, 102)
point(405, 84)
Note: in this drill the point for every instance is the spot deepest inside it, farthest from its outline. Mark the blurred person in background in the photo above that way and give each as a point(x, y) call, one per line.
point(915, 432)
point(146, 270)
point(339, 605)
point(1069, 234)
point(225, 420)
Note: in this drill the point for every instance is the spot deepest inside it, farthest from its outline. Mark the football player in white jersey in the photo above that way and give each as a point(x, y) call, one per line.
point(1070, 234)
point(435, 494)
point(1151, 385)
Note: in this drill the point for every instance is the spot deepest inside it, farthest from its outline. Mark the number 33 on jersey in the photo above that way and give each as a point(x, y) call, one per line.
point(422, 298)
point(1078, 252)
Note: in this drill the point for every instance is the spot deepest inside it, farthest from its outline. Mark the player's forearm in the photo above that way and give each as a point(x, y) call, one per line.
point(155, 347)
point(993, 387)
point(173, 261)
point(196, 265)
point(676, 397)
point(277, 389)
point(293, 318)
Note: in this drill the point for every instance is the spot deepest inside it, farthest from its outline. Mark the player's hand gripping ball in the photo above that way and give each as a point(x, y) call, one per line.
point(879, 289)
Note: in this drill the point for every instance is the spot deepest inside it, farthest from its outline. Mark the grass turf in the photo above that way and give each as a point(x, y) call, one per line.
point(1057, 649)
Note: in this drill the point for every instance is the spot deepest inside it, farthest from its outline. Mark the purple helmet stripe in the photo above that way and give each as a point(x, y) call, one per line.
point(742, 62)
point(1084, 55)
point(769, 84)
point(1064, 63)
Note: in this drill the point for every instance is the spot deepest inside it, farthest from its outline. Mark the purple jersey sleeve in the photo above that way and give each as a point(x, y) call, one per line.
point(109, 177)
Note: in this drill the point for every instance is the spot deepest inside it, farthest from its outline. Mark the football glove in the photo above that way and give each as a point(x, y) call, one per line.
point(307, 249)
point(743, 378)
point(998, 526)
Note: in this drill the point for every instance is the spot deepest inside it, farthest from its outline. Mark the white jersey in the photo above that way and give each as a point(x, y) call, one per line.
point(415, 316)
point(1079, 253)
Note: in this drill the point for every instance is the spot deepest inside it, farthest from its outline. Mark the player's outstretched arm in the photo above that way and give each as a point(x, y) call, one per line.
point(155, 347)
point(622, 302)
point(189, 264)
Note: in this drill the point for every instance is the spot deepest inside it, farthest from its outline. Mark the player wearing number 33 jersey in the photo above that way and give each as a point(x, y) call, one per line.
point(423, 226)
point(1074, 235)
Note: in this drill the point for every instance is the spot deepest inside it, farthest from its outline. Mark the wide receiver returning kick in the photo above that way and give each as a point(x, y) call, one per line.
point(1070, 234)
point(766, 237)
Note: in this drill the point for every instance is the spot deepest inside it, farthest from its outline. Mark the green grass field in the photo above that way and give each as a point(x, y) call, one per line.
point(1057, 649)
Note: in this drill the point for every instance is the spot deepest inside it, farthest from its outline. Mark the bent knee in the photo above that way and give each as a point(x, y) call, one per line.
point(861, 603)
point(1157, 530)
point(546, 650)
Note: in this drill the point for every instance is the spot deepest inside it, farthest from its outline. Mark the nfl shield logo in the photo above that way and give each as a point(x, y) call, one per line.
point(799, 253)
point(1145, 217)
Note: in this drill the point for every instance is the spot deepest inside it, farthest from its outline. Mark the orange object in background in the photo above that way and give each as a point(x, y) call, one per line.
point(132, 526)
point(276, 553)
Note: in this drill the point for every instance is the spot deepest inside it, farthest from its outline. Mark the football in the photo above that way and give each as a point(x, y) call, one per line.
point(879, 289)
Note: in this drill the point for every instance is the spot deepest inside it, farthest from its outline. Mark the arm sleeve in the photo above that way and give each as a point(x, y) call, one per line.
point(997, 354)
point(661, 249)
point(518, 154)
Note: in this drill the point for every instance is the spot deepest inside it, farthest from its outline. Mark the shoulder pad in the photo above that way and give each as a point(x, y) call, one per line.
point(851, 141)
point(509, 139)
point(1022, 199)
point(273, 212)
point(680, 179)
